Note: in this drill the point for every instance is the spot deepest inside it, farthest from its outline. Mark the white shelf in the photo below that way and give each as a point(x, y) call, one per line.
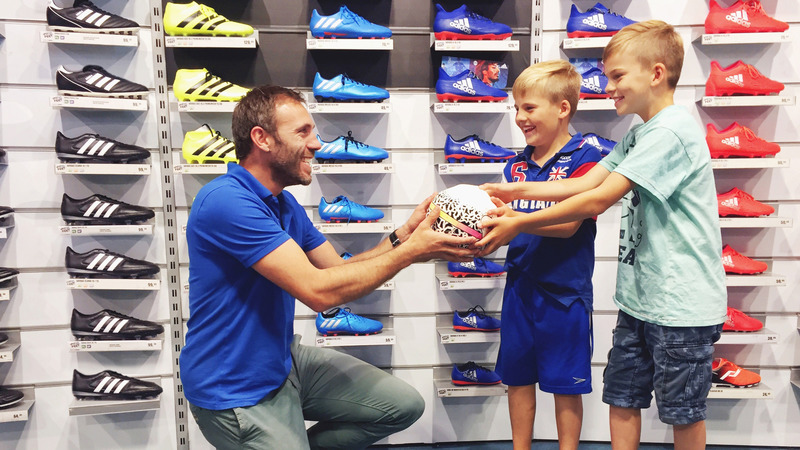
point(4, 230)
point(448, 283)
point(19, 412)
point(585, 42)
point(755, 222)
point(446, 388)
point(136, 345)
point(384, 107)
point(385, 337)
point(763, 279)
point(8, 286)
point(595, 104)
point(473, 107)
point(387, 286)
point(748, 100)
point(91, 407)
point(215, 107)
point(212, 41)
point(115, 284)
point(63, 37)
point(749, 163)
point(354, 228)
point(349, 44)
point(470, 168)
point(732, 393)
point(451, 336)
point(102, 169)
point(201, 169)
point(106, 230)
point(8, 349)
point(119, 104)
point(507, 45)
point(762, 336)
point(744, 38)
point(352, 168)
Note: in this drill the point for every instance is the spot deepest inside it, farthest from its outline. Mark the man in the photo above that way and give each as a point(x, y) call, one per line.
point(253, 250)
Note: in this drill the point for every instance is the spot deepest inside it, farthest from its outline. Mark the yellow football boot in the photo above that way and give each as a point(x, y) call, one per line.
point(205, 145)
point(194, 19)
point(200, 85)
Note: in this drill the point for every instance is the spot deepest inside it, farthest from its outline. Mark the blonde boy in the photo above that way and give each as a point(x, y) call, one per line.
point(670, 281)
point(546, 337)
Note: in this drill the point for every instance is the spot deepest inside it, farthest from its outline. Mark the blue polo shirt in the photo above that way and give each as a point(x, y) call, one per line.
point(241, 325)
point(560, 268)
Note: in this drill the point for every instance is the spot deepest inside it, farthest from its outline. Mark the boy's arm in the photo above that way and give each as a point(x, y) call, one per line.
point(587, 204)
point(547, 190)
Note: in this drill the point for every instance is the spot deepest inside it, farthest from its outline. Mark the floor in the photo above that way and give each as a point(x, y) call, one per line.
point(546, 445)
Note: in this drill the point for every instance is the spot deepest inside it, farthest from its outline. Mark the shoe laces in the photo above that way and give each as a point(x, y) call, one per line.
point(346, 79)
point(473, 15)
point(209, 12)
point(92, 6)
point(215, 134)
point(475, 136)
point(742, 194)
point(475, 366)
point(755, 6)
point(753, 71)
point(353, 16)
point(210, 76)
point(478, 311)
point(349, 140)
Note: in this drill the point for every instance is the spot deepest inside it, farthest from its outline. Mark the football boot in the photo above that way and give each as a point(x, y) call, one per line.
point(466, 87)
point(739, 79)
point(200, 85)
point(735, 262)
point(101, 210)
point(93, 148)
point(346, 24)
point(727, 373)
point(110, 385)
point(111, 325)
point(341, 321)
point(85, 17)
point(347, 149)
point(738, 140)
point(205, 145)
point(474, 149)
point(342, 209)
point(741, 17)
point(101, 263)
point(739, 321)
point(595, 22)
point(737, 202)
point(94, 81)
point(342, 88)
point(194, 19)
point(474, 319)
point(464, 24)
point(471, 374)
point(478, 267)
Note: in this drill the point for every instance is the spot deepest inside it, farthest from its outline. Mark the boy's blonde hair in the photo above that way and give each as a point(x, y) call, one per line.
point(650, 42)
point(558, 80)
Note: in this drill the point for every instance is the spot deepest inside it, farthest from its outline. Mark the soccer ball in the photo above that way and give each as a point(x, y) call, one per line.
point(462, 208)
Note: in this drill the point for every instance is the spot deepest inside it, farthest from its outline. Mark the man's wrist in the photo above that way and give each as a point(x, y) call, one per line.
point(394, 239)
point(402, 233)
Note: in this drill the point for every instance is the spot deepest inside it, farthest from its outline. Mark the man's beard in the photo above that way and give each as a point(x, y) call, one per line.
point(286, 169)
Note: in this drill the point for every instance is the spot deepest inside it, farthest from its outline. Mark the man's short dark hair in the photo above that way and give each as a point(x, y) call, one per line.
point(257, 109)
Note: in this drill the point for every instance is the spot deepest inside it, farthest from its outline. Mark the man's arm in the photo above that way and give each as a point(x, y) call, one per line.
point(556, 190)
point(578, 207)
point(323, 288)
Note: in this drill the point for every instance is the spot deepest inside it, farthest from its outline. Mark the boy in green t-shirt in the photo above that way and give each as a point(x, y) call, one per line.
point(670, 281)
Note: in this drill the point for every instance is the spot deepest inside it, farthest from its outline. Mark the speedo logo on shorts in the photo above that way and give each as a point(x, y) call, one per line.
point(739, 17)
point(596, 20)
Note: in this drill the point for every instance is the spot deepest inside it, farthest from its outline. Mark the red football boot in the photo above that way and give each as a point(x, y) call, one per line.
point(738, 140)
point(741, 17)
point(735, 262)
point(729, 374)
point(739, 321)
point(737, 202)
point(739, 79)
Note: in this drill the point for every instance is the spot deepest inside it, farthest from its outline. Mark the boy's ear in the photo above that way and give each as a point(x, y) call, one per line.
point(261, 139)
point(564, 110)
point(659, 74)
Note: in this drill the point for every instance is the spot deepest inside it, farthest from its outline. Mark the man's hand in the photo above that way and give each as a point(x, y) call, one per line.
point(426, 244)
point(501, 226)
point(503, 191)
point(416, 218)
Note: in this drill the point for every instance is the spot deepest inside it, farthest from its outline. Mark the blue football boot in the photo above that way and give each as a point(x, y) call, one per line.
point(474, 319)
point(342, 209)
point(593, 84)
point(346, 255)
point(473, 148)
point(478, 267)
point(595, 22)
point(471, 374)
point(604, 145)
point(347, 25)
point(345, 148)
point(464, 24)
point(342, 88)
point(466, 87)
point(341, 321)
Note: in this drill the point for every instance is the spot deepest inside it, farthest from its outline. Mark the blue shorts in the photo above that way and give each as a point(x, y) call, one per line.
point(675, 362)
point(543, 341)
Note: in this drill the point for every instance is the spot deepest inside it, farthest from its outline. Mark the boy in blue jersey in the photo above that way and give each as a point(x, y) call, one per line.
point(670, 281)
point(546, 337)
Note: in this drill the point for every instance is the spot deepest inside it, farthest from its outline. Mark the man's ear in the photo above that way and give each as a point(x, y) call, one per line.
point(261, 139)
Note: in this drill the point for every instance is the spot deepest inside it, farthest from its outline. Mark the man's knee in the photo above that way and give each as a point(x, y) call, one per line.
point(410, 407)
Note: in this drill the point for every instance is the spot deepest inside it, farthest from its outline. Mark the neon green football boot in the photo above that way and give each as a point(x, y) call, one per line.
point(194, 19)
point(200, 85)
point(205, 145)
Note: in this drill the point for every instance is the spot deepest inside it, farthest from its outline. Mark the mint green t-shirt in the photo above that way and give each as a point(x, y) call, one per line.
point(670, 265)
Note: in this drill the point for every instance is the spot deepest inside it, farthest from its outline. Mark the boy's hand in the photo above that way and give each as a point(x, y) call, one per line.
point(502, 228)
point(503, 191)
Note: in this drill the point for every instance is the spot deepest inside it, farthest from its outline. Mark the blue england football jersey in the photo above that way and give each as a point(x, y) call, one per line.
point(560, 268)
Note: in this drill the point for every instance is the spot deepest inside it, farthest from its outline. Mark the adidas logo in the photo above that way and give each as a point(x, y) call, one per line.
point(98, 208)
point(95, 147)
point(593, 84)
point(101, 81)
point(330, 323)
point(465, 85)
point(218, 146)
point(329, 23)
point(333, 208)
point(469, 265)
point(739, 17)
point(596, 20)
point(461, 24)
point(107, 325)
point(330, 147)
point(727, 260)
point(109, 383)
point(731, 202)
point(471, 375)
point(474, 148)
point(470, 320)
point(592, 140)
point(737, 79)
point(731, 141)
point(92, 17)
point(329, 85)
point(105, 262)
